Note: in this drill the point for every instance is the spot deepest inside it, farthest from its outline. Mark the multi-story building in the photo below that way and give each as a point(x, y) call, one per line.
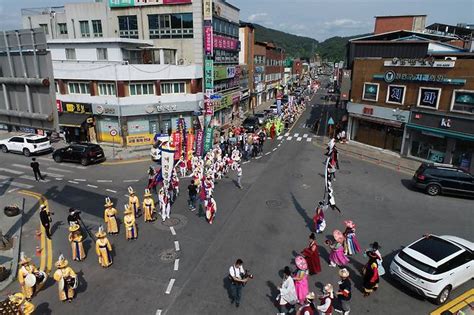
point(246, 61)
point(274, 69)
point(260, 50)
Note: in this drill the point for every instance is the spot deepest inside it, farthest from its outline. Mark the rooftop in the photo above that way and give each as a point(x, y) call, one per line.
point(102, 40)
point(395, 16)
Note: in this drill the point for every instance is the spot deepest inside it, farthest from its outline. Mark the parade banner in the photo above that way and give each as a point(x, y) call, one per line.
point(178, 145)
point(208, 40)
point(189, 146)
point(167, 161)
point(208, 138)
point(199, 142)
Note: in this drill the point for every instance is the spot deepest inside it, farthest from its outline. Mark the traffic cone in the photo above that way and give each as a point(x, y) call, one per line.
point(38, 251)
point(38, 234)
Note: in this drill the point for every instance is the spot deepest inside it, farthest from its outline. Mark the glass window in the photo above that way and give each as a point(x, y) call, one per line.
point(428, 146)
point(396, 94)
point(171, 25)
point(45, 28)
point(84, 26)
point(70, 53)
point(142, 89)
point(463, 101)
point(62, 28)
point(128, 26)
point(173, 88)
point(102, 54)
point(169, 56)
point(97, 28)
point(107, 89)
point(78, 88)
point(463, 154)
point(56, 87)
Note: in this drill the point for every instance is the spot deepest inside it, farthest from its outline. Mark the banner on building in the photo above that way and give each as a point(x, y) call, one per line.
point(208, 139)
point(178, 145)
point(189, 146)
point(167, 161)
point(199, 142)
point(225, 43)
point(208, 107)
point(207, 8)
point(209, 74)
point(208, 40)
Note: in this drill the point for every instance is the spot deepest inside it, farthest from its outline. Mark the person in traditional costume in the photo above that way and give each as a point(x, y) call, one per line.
point(182, 166)
point(370, 274)
point(211, 209)
point(76, 239)
point(103, 248)
point(273, 131)
point(110, 217)
point(28, 270)
point(311, 254)
point(66, 279)
point(325, 306)
point(344, 294)
point(133, 202)
point(287, 297)
point(318, 219)
point(164, 199)
point(331, 198)
point(21, 305)
point(374, 248)
point(337, 257)
point(351, 244)
point(148, 206)
point(131, 232)
point(301, 278)
point(175, 186)
point(307, 307)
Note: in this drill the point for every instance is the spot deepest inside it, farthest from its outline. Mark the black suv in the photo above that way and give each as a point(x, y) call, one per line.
point(250, 124)
point(84, 153)
point(443, 179)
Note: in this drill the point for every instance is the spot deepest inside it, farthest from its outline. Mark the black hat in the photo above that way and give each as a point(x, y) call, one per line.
point(375, 245)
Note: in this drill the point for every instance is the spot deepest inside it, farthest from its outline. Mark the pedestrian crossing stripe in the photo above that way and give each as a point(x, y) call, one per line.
point(296, 135)
point(33, 179)
point(59, 170)
point(305, 135)
point(308, 139)
point(11, 171)
point(287, 134)
point(299, 139)
point(289, 138)
point(15, 184)
point(280, 137)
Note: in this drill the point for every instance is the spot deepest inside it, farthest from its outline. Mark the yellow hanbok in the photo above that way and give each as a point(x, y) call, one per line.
point(103, 248)
point(27, 267)
point(148, 206)
point(66, 278)
point(76, 240)
point(131, 232)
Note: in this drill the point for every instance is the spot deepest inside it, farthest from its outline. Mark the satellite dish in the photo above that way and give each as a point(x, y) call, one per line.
point(181, 62)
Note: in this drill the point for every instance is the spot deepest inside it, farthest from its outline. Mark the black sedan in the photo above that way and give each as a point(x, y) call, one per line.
point(250, 124)
point(84, 153)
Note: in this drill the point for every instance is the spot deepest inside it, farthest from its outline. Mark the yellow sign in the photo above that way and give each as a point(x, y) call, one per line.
point(207, 8)
point(140, 139)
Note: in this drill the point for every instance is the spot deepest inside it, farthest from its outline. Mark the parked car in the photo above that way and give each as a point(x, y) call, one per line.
point(84, 153)
point(26, 144)
point(435, 180)
point(262, 118)
point(433, 266)
point(250, 124)
point(274, 109)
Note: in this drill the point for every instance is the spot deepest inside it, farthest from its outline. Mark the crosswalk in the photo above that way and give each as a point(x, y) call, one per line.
point(297, 137)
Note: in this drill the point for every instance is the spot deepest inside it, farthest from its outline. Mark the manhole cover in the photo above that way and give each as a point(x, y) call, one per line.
point(346, 161)
point(171, 222)
point(168, 255)
point(297, 175)
point(176, 221)
point(273, 203)
point(345, 172)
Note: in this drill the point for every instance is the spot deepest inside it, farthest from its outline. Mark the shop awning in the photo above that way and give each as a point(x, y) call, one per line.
point(71, 120)
point(392, 123)
point(448, 133)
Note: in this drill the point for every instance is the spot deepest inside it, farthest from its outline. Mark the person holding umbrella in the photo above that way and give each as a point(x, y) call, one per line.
point(337, 256)
point(301, 279)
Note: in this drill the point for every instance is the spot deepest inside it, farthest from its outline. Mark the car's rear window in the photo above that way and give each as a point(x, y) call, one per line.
point(435, 248)
point(39, 140)
point(416, 263)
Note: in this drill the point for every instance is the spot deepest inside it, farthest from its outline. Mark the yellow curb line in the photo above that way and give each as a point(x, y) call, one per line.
point(456, 303)
point(44, 265)
point(126, 162)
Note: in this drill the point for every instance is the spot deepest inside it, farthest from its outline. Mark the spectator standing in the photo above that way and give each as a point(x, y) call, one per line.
point(36, 169)
point(239, 176)
point(45, 218)
point(238, 279)
point(192, 192)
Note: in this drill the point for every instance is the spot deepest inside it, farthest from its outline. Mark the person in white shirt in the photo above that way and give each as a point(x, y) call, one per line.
point(287, 297)
point(239, 176)
point(325, 307)
point(236, 274)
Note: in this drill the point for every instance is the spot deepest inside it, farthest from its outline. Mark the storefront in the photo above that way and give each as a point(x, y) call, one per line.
point(441, 138)
point(76, 122)
point(377, 126)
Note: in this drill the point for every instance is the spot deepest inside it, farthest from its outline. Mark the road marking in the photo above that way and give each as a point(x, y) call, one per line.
point(21, 166)
point(173, 231)
point(279, 137)
point(279, 144)
point(299, 139)
point(309, 139)
point(131, 180)
point(33, 179)
point(258, 157)
point(11, 171)
point(112, 191)
point(74, 166)
point(296, 135)
point(305, 135)
point(79, 180)
point(274, 149)
point(289, 138)
point(72, 182)
point(176, 264)
point(158, 312)
point(287, 134)
point(92, 186)
point(245, 162)
point(104, 181)
point(126, 196)
point(12, 190)
point(125, 162)
point(59, 170)
point(267, 153)
point(44, 159)
point(170, 286)
point(59, 178)
point(14, 184)
point(176, 245)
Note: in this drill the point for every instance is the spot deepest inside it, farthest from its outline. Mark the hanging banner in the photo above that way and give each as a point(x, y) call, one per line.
point(208, 40)
point(189, 146)
point(209, 74)
point(199, 142)
point(208, 139)
point(208, 107)
point(207, 10)
point(167, 161)
point(178, 145)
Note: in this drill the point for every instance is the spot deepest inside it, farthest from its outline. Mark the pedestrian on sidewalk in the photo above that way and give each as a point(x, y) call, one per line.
point(36, 169)
point(192, 192)
point(45, 218)
point(239, 176)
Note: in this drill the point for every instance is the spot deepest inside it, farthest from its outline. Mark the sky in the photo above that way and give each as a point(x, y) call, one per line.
point(319, 19)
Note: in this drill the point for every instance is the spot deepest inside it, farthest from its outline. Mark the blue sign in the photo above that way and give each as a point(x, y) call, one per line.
point(330, 121)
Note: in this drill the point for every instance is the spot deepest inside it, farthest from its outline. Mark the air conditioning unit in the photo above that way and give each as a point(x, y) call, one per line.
point(450, 58)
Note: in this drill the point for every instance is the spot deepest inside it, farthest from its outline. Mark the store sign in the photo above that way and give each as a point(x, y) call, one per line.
point(137, 3)
point(225, 43)
point(226, 101)
point(166, 108)
point(368, 111)
point(419, 63)
point(224, 72)
point(207, 10)
point(396, 94)
point(208, 107)
point(136, 140)
point(391, 76)
point(429, 97)
point(209, 74)
point(208, 40)
point(208, 139)
point(445, 123)
point(259, 69)
point(463, 101)
point(77, 108)
point(105, 110)
point(371, 92)
point(199, 142)
point(59, 106)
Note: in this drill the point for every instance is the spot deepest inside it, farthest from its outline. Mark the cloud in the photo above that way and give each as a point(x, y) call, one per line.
point(346, 23)
point(257, 17)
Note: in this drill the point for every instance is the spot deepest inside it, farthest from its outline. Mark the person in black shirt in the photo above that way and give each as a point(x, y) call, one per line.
point(192, 191)
point(74, 217)
point(36, 169)
point(344, 294)
point(45, 218)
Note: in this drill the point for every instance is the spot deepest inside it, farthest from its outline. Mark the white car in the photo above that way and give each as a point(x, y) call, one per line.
point(434, 265)
point(26, 144)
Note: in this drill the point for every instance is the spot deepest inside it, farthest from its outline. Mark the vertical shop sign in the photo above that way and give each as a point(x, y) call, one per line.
point(209, 74)
point(208, 139)
point(199, 142)
point(207, 8)
point(177, 145)
point(208, 40)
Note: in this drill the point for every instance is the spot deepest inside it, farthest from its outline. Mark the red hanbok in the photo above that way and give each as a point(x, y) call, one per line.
point(272, 131)
point(311, 254)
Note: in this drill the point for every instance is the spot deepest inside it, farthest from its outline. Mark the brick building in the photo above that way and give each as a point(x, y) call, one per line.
point(384, 24)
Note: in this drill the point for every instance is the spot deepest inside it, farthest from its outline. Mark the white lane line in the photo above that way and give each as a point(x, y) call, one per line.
point(80, 180)
point(170, 286)
point(176, 245)
point(176, 264)
point(158, 312)
point(59, 178)
point(126, 196)
point(305, 135)
point(296, 135)
point(299, 139)
point(59, 170)
point(173, 231)
point(287, 134)
point(104, 181)
point(279, 137)
point(11, 171)
point(33, 179)
point(308, 139)
point(22, 166)
point(274, 149)
point(289, 138)
point(279, 144)
point(74, 166)
point(258, 157)
point(72, 182)
point(245, 162)
point(52, 174)
point(112, 191)
point(45, 159)
point(131, 180)
point(92, 186)
point(267, 153)
point(14, 184)
point(12, 190)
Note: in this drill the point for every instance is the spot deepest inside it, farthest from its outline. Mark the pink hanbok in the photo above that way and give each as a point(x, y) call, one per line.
point(301, 286)
point(337, 256)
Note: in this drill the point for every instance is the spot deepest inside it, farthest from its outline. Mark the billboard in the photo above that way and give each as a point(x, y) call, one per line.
point(26, 73)
point(225, 43)
point(208, 40)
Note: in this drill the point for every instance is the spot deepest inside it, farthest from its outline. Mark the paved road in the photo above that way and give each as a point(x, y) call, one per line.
point(265, 224)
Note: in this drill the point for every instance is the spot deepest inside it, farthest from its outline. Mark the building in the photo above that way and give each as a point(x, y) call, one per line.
point(274, 70)
point(260, 50)
point(247, 66)
point(384, 24)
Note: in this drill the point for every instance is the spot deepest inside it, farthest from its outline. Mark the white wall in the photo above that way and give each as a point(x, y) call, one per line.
point(86, 52)
point(243, 45)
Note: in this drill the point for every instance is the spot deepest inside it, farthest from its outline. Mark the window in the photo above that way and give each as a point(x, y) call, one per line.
point(107, 89)
point(463, 101)
point(142, 89)
point(78, 88)
point(62, 28)
point(56, 87)
point(429, 97)
point(70, 53)
point(101, 53)
point(173, 88)
point(128, 26)
point(97, 28)
point(84, 26)
point(169, 57)
point(45, 28)
point(17, 140)
point(171, 25)
point(396, 94)
point(371, 92)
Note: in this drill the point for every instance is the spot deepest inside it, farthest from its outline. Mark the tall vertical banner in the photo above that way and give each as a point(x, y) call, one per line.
point(207, 8)
point(167, 161)
point(178, 145)
point(208, 40)
point(189, 146)
point(199, 142)
point(208, 139)
point(209, 74)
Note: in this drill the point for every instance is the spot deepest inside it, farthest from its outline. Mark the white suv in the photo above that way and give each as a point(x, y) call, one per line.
point(27, 144)
point(434, 265)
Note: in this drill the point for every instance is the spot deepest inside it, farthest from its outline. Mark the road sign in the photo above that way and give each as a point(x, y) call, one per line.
point(113, 132)
point(330, 121)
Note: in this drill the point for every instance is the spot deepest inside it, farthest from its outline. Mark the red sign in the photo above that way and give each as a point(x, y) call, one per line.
point(178, 145)
point(208, 40)
point(199, 142)
point(368, 111)
point(189, 146)
point(417, 116)
point(208, 107)
point(224, 43)
point(59, 106)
